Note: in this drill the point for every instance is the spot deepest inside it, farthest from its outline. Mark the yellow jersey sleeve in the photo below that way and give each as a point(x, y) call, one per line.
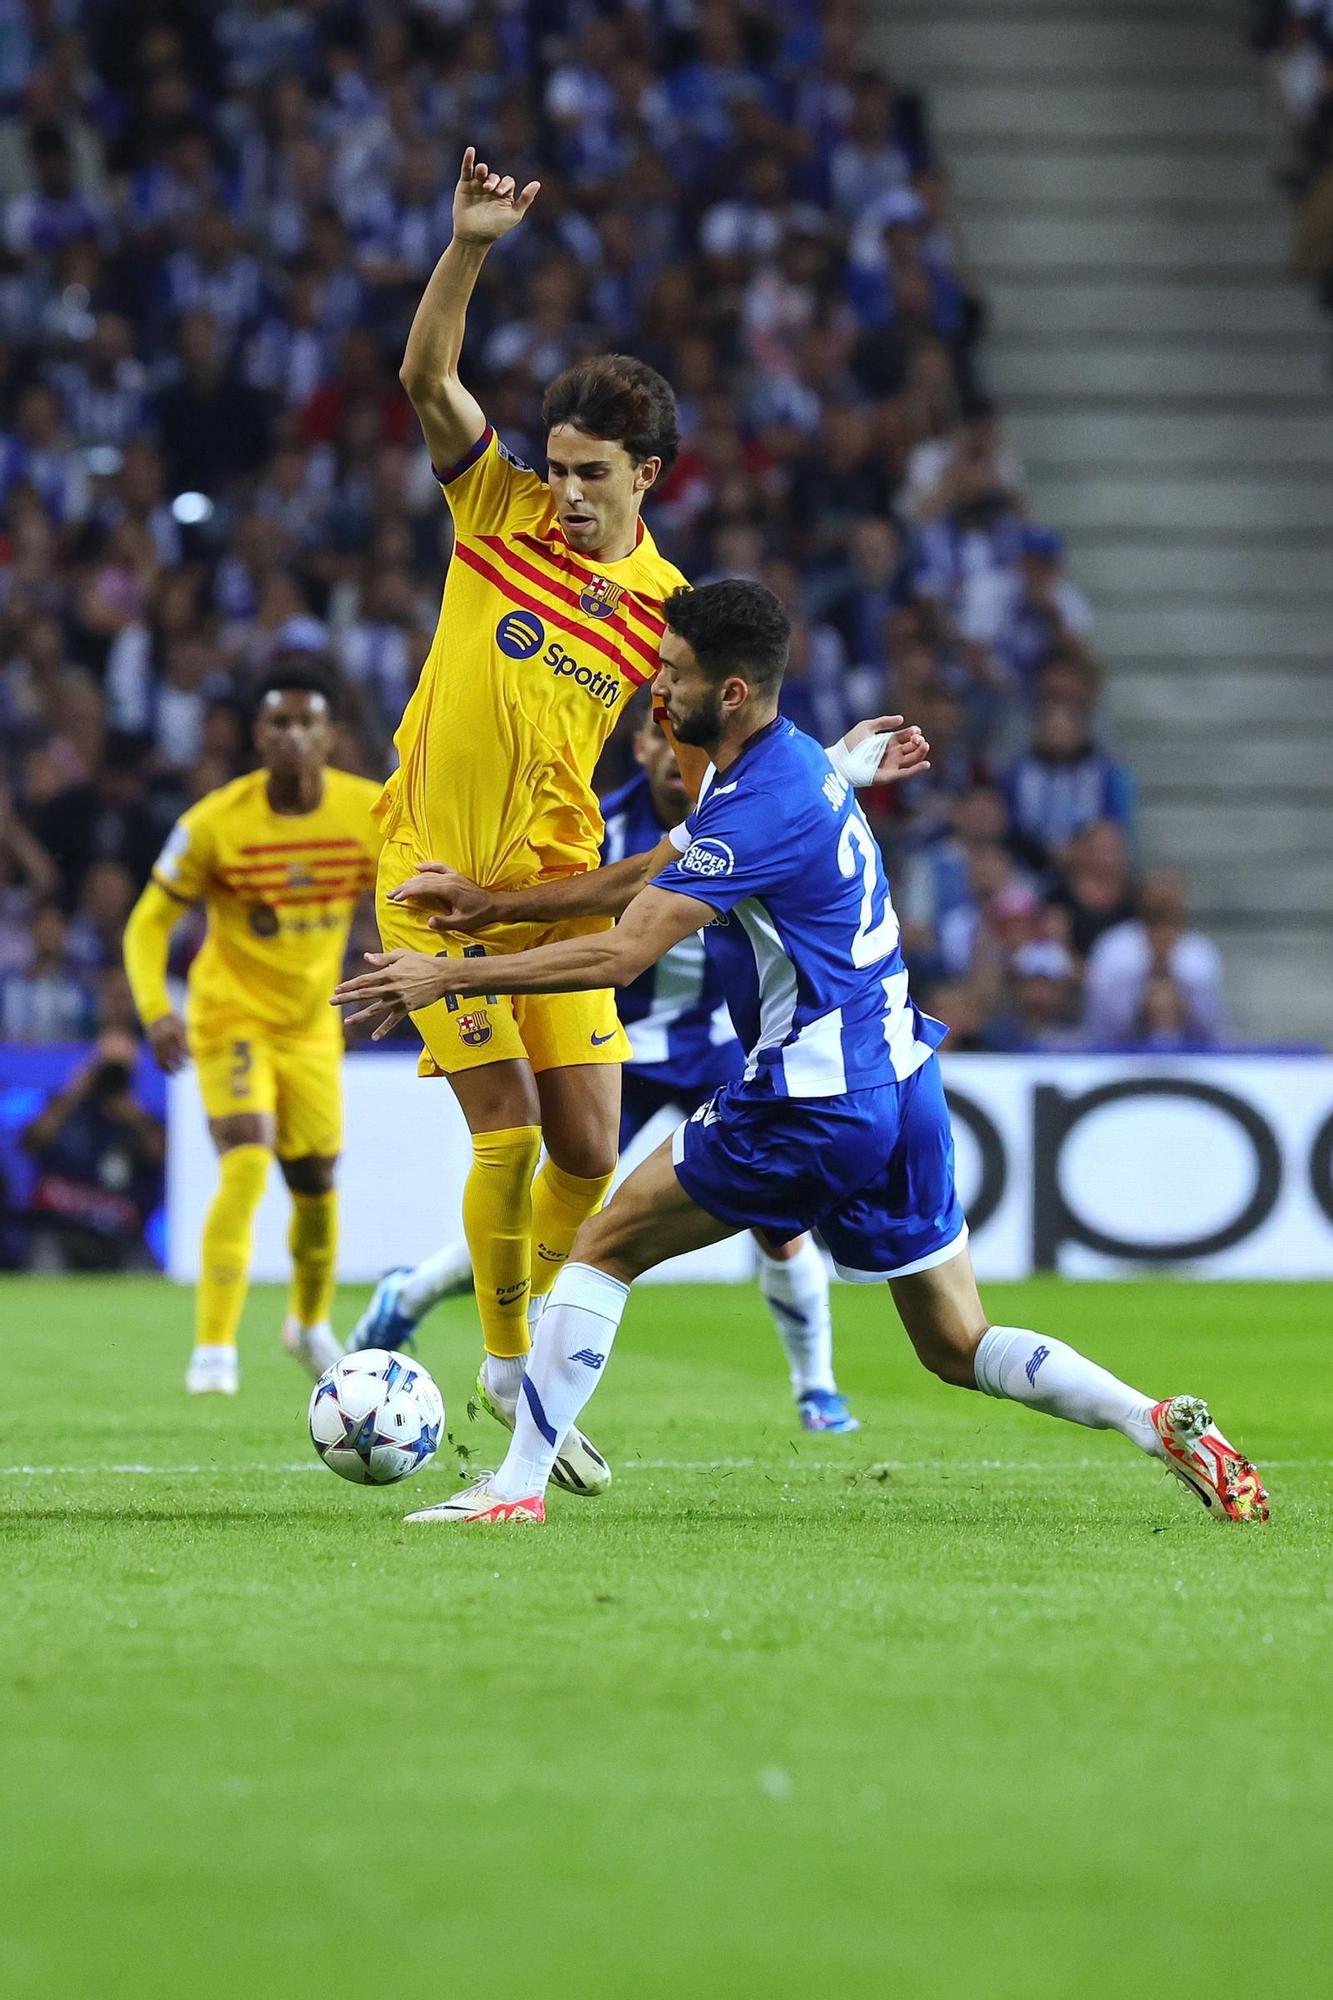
point(146, 944)
point(182, 868)
point(489, 490)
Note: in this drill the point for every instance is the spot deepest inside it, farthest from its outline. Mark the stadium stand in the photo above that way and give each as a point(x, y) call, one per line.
point(216, 225)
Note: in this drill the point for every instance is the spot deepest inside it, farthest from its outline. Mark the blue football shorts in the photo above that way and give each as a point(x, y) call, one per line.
point(642, 1097)
point(870, 1171)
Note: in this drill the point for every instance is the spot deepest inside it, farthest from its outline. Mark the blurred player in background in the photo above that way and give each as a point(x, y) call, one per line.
point(683, 1047)
point(839, 1121)
point(278, 858)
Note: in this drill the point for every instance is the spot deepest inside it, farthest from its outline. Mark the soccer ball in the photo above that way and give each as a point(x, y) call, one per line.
point(376, 1418)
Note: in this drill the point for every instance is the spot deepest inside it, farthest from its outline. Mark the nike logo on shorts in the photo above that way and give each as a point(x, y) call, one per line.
point(598, 1040)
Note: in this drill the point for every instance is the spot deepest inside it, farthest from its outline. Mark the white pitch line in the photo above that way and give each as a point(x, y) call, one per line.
point(796, 1463)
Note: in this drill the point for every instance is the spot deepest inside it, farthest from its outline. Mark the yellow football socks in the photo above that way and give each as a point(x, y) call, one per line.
point(224, 1272)
point(312, 1238)
point(561, 1204)
point(497, 1221)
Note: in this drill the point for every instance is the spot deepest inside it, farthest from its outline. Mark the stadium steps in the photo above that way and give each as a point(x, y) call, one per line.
point(1167, 384)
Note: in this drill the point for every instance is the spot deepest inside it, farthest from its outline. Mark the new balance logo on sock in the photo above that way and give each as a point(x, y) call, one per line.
point(588, 1358)
point(1038, 1355)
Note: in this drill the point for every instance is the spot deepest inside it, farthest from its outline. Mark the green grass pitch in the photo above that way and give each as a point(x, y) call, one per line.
point(975, 1705)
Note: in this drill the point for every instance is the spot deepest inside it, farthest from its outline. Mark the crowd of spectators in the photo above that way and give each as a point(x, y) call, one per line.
point(216, 224)
point(1297, 36)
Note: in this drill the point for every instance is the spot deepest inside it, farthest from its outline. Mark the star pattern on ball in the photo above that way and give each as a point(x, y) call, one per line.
point(362, 1434)
point(421, 1446)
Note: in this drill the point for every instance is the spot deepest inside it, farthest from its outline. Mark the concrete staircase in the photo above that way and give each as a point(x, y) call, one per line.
point(1168, 386)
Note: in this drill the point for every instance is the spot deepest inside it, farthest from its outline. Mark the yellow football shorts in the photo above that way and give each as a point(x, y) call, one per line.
point(547, 1030)
point(296, 1079)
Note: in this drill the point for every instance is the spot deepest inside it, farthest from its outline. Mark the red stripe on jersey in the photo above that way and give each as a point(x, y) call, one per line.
point(506, 555)
point(267, 892)
point(293, 846)
point(637, 606)
point(542, 606)
point(312, 896)
point(278, 871)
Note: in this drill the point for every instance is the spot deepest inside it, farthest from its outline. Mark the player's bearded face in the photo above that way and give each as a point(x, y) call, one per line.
point(696, 714)
point(692, 702)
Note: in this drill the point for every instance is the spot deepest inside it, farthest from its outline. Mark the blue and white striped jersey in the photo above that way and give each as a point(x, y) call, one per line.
point(806, 937)
point(674, 1013)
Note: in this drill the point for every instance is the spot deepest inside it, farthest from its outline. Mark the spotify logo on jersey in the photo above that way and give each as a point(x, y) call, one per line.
point(519, 635)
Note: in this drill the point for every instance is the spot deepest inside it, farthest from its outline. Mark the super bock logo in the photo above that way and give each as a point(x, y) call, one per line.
point(475, 1029)
point(708, 857)
point(599, 596)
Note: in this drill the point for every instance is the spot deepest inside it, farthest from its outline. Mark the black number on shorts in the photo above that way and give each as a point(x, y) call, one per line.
point(242, 1061)
point(452, 1001)
point(479, 951)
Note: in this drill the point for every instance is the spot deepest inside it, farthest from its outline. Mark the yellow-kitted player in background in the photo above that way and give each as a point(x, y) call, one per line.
point(278, 858)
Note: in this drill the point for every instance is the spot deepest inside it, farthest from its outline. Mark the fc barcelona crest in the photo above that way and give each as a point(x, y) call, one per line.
point(599, 596)
point(475, 1029)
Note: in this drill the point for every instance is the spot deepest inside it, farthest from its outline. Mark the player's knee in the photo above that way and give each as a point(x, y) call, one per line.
point(243, 1128)
point(589, 1152)
point(610, 1242)
point(313, 1174)
point(948, 1352)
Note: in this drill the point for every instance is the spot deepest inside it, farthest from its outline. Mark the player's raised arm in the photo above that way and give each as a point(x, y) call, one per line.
point(406, 982)
point(486, 207)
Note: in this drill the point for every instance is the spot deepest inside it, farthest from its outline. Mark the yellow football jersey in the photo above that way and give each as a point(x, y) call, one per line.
point(280, 890)
point(535, 653)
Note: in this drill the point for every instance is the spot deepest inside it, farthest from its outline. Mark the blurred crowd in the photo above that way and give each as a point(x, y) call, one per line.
point(216, 224)
point(1297, 35)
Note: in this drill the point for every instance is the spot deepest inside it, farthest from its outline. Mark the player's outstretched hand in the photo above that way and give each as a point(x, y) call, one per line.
point(883, 752)
point(167, 1040)
point(456, 903)
point(399, 983)
point(486, 205)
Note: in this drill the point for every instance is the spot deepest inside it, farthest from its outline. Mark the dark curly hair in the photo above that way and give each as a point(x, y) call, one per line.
point(733, 627)
point(614, 396)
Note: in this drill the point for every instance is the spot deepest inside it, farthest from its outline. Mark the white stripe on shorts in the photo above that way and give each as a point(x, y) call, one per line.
point(926, 1263)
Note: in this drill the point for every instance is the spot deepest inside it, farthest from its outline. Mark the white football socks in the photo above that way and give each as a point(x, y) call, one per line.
point(1032, 1368)
point(797, 1296)
point(573, 1344)
point(436, 1278)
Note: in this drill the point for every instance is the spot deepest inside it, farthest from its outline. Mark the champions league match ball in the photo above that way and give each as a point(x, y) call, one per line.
point(376, 1418)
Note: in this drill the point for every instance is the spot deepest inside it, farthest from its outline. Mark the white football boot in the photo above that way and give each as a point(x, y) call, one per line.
point(478, 1502)
point(579, 1466)
point(213, 1371)
point(315, 1347)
